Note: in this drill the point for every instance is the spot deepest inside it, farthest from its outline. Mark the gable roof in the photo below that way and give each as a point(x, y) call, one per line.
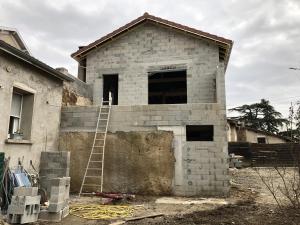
point(33, 61)
point(225, 45)
point(17, 39)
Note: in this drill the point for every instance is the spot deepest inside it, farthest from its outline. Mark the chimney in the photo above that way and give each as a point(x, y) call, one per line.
point(63, 70)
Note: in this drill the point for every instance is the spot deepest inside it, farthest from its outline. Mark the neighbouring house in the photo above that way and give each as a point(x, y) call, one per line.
point(13, 38)
point(238, 132)
point(168, 119)
point(30, 102)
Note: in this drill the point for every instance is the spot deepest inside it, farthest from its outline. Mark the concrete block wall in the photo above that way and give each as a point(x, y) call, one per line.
point(204, 166)
point(151, 47)
point(201, 167)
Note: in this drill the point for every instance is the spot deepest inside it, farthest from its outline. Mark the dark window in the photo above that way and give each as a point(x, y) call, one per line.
point(261, 140)
point(199, 132)
point(21, 114)
point(82, 70)
point(110, 84)
point(167, 87)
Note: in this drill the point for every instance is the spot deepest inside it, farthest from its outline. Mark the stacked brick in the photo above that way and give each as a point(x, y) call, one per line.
point(59, 200)
point(25, 205)
point(54, 173)
point(53, 165)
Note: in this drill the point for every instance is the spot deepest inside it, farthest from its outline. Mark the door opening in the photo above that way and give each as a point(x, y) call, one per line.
point(110, 84)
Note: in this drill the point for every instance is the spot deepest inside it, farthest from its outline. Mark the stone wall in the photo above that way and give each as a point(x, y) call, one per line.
point(47, 99)
point(77, 93)
point(151, 47)
point(135, 162)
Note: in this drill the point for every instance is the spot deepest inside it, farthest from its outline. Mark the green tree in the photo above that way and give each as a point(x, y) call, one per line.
point(261, 115)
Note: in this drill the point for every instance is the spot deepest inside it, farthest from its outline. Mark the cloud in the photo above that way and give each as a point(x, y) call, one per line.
point(265, 33)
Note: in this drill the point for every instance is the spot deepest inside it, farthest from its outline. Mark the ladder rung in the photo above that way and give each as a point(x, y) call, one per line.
point(103, 119)
point(104, 113)
point(95, 161)
point(97, 153)
point(88, 193)
point(94, 176)
point(96, 185)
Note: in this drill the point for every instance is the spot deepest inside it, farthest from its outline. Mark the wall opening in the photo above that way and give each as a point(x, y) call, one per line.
point(111, 84)
point(261, 140)
point(199, 133)
point(20, 120)
point(82, 70)
point(167, 87)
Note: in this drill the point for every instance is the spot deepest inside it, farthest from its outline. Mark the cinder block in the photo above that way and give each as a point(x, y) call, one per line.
point(56, 207)
point(21, 204)
point(45, 215)
point(65, 212)
point(25, 191)
point(58, 182)
point(14, 218)
point(29, 218)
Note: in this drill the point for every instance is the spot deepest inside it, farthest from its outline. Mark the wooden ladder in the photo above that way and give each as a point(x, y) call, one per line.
point(93, 176)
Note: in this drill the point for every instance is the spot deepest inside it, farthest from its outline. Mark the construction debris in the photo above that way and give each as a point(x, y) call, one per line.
point(235, 161)
point(114, 197)
point(59, 200)
point(143, 217)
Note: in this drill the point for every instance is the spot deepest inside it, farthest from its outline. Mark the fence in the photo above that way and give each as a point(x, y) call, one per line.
point(285, 154)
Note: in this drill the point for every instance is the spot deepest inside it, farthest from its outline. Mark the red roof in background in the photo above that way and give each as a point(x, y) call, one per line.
point(147, 17)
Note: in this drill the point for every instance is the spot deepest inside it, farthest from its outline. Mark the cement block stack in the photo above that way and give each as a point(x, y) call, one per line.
point(59, 200)
point(53, 165)
point(54, 174)
point(25, 205)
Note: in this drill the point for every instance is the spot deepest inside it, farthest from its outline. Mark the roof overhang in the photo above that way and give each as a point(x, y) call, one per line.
point(33, 61)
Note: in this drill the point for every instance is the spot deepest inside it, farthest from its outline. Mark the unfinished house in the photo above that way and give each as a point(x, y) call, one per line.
point(167, 127)
point(30, 102)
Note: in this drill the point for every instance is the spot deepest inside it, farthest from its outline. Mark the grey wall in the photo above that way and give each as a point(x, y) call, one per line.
point(201, 168)
point(152, 47)
point(77, 92)
point(46, 110)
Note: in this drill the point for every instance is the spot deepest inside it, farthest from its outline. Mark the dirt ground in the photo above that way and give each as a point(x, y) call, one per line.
point(249, 203)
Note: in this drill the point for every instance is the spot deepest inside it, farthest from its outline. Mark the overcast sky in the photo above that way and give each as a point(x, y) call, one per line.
point(266, 36)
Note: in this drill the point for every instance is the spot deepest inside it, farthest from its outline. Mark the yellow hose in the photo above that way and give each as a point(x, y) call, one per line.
point(97, 212)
